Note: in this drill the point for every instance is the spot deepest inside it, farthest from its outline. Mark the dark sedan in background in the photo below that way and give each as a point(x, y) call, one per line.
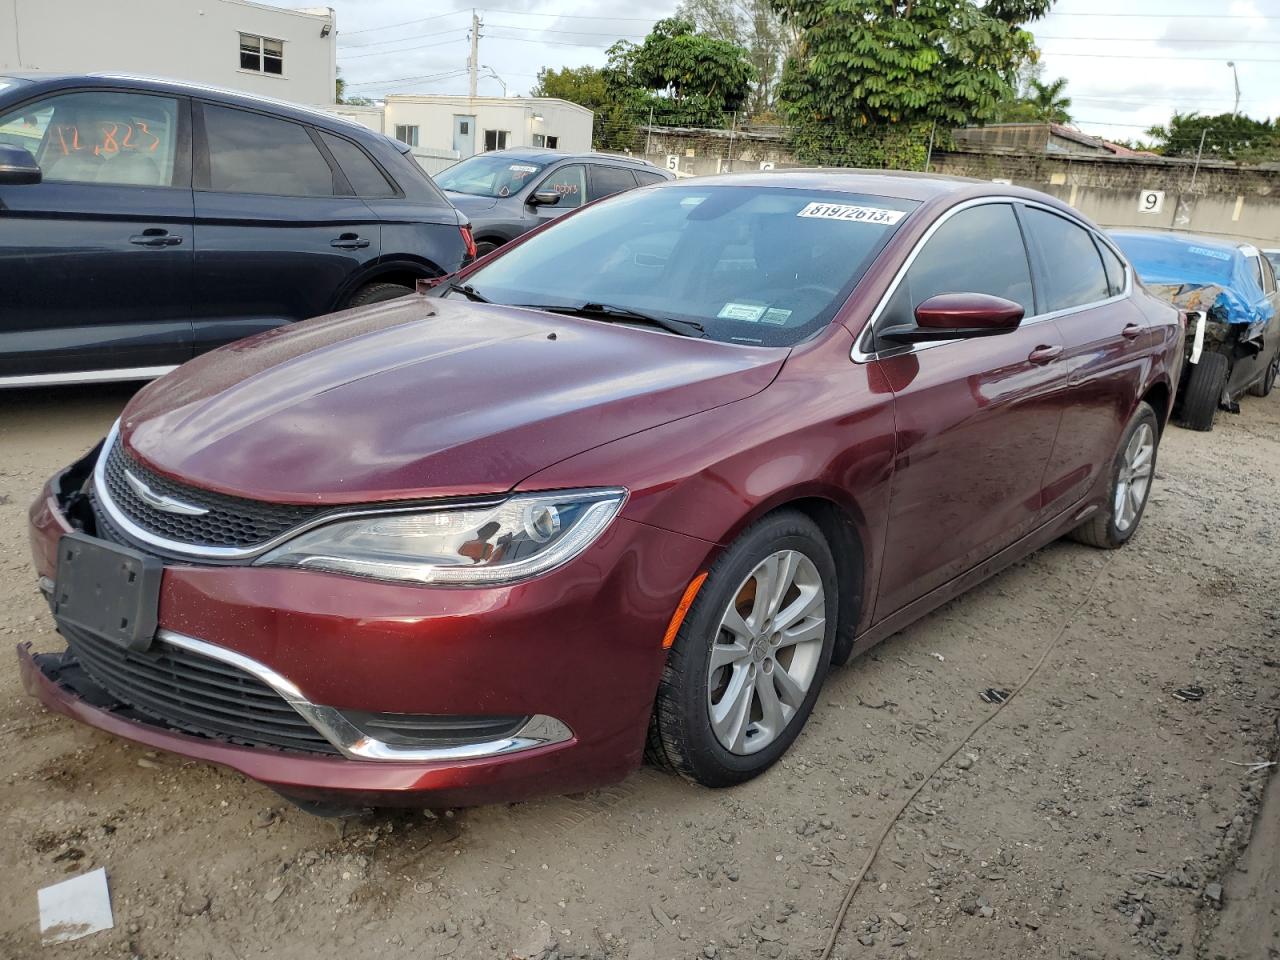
point(635, 481)
point(507, 193)
point(143, 222)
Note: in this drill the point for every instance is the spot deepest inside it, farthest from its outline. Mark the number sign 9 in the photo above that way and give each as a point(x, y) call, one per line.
point(1150, 201)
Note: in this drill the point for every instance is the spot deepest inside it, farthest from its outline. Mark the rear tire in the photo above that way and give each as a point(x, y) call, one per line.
point(1204, 392)
point(377, 293)
point(484, 247)
point(1263, 387)
point(770, 661)
point(1133, 470)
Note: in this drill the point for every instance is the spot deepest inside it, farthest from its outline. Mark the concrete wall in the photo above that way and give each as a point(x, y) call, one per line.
point(192, 40)
point(1218, 199)
point(433, 116)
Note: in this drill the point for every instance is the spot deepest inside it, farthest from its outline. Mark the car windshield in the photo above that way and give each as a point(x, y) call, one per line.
point(486, 175)
point(740, 264)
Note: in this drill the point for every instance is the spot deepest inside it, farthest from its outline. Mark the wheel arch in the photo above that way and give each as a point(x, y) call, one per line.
point(403, 272)
point(1159, 395)
point(843, 526)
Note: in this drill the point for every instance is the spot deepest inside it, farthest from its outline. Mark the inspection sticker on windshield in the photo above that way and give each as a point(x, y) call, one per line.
point(741, 311)
point(852, 213)
point(523, 168)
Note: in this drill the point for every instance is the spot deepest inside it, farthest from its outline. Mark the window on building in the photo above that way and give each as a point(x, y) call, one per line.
point(407, 133)
point(261, 54)
point(496, 139)
point(252, 153)
point(362, 173)
point(542, 140)
point(98, 137)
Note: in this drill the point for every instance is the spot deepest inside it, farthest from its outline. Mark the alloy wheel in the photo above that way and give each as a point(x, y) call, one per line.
point(1134, 479)
point(766, 652)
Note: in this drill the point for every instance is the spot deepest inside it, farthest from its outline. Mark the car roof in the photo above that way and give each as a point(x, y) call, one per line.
point(547, 155)
point(284, 108)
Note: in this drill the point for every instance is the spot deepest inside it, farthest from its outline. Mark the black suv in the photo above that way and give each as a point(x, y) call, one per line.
point(509, 192)
point(144, 221)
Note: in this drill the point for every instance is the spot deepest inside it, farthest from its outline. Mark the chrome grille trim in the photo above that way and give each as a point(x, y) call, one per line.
point(140, 536)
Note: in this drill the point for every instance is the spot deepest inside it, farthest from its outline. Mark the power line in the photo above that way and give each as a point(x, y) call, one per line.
point(449, 74)
point(387, 53)
point(1170, 16)
point(1140, 56)
point(412, 36)
point(575, 16)
point(1045, 36)
point(579, 33)
point(403, 23)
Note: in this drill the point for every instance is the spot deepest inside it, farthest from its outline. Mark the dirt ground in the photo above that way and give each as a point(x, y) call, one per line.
point(1095, 817)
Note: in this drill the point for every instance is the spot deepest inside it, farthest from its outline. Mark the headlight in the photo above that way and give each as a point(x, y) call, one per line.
point(513, 540)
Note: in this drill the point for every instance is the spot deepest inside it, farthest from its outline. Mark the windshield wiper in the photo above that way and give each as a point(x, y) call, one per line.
point(605, 311)
point(468, 291)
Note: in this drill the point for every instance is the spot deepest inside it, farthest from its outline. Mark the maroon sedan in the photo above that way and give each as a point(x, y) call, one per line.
point(633, 483)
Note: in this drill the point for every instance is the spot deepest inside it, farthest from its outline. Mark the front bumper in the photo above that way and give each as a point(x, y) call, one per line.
point(582, 645)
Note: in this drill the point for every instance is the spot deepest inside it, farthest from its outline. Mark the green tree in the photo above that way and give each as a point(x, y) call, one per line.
point(1226, 137)
point(757, 27)
point(340, 92)
point(864, 67)
point(684, 77)
point(581, 85)
point(1049, 102)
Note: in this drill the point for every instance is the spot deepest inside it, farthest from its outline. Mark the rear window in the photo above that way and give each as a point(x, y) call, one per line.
point(362, 173)
point(1074, 274)
point(758, 265)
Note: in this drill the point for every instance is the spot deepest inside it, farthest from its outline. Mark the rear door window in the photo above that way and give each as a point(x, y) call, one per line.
point(1073, 270)
point(1114, 267)
point(606, 181)
point(979, 250)
point(362, 173)
point(253, 153)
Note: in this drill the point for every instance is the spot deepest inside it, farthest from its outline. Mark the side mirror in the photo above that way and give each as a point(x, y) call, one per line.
point(957, 316)
point(544, 198)
point(17, 166)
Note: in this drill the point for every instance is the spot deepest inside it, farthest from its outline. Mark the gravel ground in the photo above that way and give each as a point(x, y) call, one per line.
point(1097, 816)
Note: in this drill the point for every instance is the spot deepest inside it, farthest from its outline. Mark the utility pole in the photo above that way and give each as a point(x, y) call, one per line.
point(474, 62)
point(732, 134)
point(648, 134)
point(1235, 75)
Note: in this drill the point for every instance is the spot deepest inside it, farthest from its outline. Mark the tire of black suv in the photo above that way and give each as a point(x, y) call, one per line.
point(377, 293)
point(1204, 392)
point(485, 246)
point(681, 732)
point(1113, 525)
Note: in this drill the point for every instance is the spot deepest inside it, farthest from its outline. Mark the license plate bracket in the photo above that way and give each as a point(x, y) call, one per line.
point(109, 590)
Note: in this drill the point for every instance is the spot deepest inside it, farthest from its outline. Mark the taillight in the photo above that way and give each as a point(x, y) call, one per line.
point(470, 241)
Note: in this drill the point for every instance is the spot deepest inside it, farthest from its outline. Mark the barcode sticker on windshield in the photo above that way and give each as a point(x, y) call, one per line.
point(854, 214)
point(523, 168)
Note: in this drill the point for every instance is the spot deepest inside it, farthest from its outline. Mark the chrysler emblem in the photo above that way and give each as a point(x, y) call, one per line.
point(159, 501)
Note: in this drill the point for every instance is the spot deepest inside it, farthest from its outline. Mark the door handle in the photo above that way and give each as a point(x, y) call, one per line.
point(1131, 331)
point(349, 241)
point(155, 237)
point(1045, 354)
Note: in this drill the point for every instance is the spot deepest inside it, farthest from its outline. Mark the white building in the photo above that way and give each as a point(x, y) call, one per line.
point(269, 51)
point(442, 130)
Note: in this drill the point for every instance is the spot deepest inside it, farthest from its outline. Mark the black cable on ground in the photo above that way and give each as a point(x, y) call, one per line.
point(856, 882)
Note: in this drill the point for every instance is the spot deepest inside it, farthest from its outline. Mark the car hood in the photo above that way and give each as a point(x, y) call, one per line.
point(469, 203)
point(423, 397)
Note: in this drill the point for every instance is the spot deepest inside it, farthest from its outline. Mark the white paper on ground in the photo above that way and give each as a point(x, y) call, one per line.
point(75, 908)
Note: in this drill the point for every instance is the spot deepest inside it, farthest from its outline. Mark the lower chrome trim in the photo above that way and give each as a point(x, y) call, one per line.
point(538, 731)
point(120, 375)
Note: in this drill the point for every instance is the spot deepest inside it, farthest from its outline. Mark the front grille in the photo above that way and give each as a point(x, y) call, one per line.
point(195, 694)
point(230, 522)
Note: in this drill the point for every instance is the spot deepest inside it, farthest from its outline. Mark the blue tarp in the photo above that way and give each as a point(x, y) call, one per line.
point(1174, 260)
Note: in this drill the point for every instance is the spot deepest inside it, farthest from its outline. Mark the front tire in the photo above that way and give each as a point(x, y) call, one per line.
point(1129, 484)
point(747, 664)
point(1204, 391)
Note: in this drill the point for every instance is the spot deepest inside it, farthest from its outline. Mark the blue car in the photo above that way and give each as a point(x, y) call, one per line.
point(143, 222)
point(1233, 332)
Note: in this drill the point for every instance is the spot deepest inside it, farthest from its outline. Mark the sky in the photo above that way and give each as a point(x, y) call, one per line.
point(1129, 64)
